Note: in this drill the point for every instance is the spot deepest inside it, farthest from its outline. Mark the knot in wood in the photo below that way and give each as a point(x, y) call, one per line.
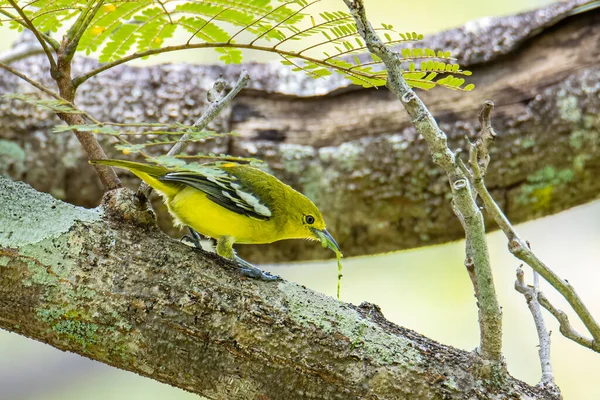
point(460, 184)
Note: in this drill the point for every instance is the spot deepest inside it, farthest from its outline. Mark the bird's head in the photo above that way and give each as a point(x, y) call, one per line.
point(308, 223)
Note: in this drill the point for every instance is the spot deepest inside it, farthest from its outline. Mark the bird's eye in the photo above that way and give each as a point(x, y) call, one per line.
point(310, 219)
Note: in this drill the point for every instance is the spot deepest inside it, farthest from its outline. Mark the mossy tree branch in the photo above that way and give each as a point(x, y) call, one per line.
point(490, 317)
point(107, 284)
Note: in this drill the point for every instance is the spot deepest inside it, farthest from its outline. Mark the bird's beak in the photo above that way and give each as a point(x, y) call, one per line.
point(327, 240)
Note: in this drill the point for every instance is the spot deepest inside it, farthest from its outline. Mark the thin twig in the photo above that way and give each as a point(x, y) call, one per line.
point(33, 83)
point(37, 34)
point(490, 315)
point(531, 297)
point(217, 103)
point(52, 42)
point(295, 13)
point(211, 45)
point(79, 28)
point(566, 328)
point(486, 138)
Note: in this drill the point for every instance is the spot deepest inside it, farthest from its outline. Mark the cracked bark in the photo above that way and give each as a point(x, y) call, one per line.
point(368, 171)
point(107, 284)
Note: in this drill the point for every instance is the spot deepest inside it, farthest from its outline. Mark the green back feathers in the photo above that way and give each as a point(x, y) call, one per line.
point(148, 173)
point(152, 170)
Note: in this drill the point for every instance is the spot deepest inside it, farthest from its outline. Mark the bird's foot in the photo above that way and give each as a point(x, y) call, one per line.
point(193, 237)
point(254, 272)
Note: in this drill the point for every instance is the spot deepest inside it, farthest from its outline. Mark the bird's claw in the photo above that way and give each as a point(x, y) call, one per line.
point(251, 271)
point(194, 237)
point(257, 273)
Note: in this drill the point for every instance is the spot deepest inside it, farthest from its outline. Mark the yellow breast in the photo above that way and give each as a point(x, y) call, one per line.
point(191, 207)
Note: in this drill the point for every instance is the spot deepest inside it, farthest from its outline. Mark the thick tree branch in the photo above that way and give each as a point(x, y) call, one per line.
point(490, 316)
point(107, 284)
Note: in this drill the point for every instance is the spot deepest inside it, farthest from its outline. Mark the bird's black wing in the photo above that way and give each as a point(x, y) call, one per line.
point(225, 190)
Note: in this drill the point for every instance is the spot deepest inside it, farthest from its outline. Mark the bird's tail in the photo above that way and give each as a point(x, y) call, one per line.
point(147, 173)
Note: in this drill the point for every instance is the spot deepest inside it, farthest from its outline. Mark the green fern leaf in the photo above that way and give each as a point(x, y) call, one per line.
point(230, 55)
point(97, 129)
point(58, 106)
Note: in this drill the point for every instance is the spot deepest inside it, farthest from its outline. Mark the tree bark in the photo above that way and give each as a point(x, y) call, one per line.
point(353, 150)
point(108, 284)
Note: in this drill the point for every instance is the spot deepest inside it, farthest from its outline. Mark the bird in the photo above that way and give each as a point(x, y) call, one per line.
point(233, 203)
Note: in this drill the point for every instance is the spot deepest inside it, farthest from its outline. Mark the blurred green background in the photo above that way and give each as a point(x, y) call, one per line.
point(425, 289)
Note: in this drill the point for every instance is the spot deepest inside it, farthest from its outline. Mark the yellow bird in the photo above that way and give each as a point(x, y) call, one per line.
point(233, 203)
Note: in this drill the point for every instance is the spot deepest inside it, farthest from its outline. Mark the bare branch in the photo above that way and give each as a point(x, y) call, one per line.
point(33, 83)
point(565, 326)
point(516, 245)
point(531, 297)
point(217, 106)
point(490, 315)
point(486, 137)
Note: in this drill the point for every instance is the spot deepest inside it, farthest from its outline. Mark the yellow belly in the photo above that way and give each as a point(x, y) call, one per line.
point(191, 207)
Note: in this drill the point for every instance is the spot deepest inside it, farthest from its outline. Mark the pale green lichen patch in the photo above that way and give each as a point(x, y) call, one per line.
point(87, 322)
point(541, 186)
point(332, 317)
point(10, 150)
point(103, 341)
point(12, 158)
point(294, 157)
point(70, 324)
point(345, 155)
point(27, 216)
point(568, 107)
point(584, 139)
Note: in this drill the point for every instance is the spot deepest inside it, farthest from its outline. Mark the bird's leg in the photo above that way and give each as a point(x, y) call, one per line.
point(225, 249)
point(193, 237)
